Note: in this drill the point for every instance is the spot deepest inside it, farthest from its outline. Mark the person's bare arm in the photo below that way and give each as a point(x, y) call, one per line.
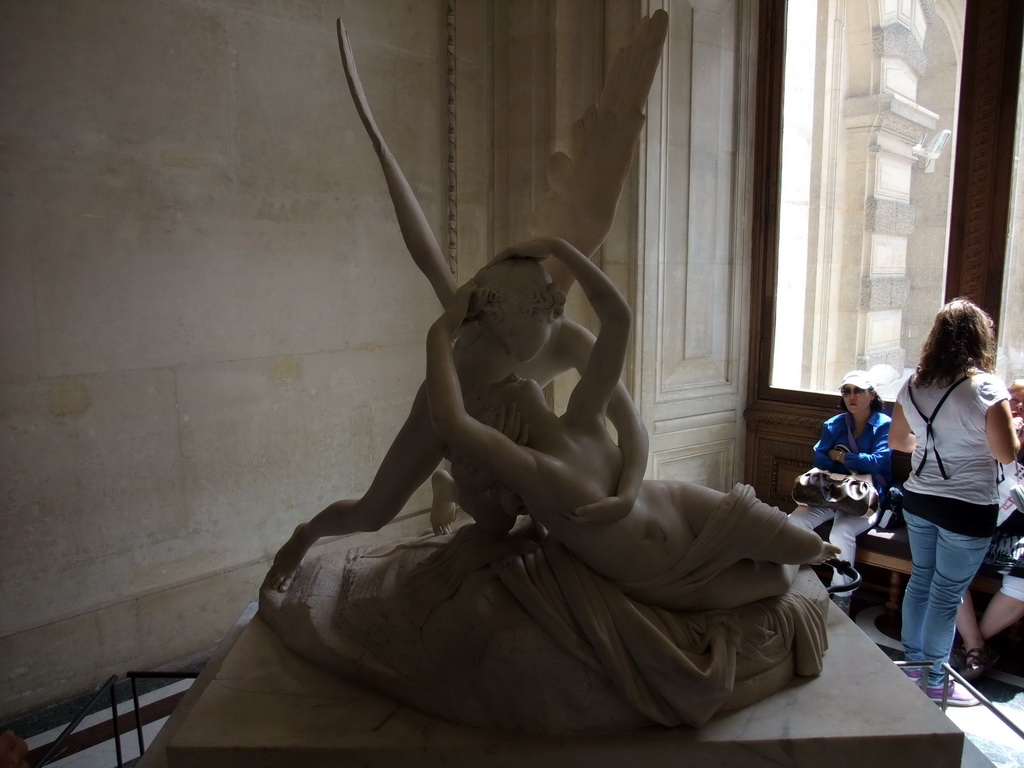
point(574, 344)
point(1002, 436)
point(600, 391)
point(599, 362)
point(900, 436)
point(465, 435)
point(634, 444)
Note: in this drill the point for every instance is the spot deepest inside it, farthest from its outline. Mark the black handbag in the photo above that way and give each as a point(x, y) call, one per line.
point(891, 516)
point(851, 494)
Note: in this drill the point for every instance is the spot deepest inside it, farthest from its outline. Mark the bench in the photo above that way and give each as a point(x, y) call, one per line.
point(890, 551)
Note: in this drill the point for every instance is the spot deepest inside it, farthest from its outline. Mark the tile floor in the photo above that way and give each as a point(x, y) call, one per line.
point(1003, 686)
point(92, 744)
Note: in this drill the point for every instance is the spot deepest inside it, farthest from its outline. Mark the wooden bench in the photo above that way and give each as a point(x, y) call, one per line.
point(890, 551)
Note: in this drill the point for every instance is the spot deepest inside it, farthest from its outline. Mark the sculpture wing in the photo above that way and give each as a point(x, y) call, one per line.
point(585, 186)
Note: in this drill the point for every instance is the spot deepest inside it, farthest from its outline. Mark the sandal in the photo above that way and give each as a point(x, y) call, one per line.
point(978, 661)
point(958, 657)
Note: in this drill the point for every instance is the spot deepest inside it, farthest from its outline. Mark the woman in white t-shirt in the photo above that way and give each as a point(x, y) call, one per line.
point(955, 417)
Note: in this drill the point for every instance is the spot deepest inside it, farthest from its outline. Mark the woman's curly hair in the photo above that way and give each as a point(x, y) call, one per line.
point(960, 342)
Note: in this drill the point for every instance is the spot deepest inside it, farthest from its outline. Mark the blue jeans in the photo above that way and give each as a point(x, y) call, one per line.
point(943, 565)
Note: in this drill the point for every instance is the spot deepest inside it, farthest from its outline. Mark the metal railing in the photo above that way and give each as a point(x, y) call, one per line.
point(950, 672)
point(108, 687)
point(84, 710)
point(845, 568)
point(161, 675)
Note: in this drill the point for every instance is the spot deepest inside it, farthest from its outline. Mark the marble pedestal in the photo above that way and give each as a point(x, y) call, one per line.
point(259, 704)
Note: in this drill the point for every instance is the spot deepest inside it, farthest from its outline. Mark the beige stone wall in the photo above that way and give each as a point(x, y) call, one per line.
point(209, 326)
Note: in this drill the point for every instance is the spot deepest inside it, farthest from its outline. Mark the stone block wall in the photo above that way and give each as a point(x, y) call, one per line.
point(209, 325)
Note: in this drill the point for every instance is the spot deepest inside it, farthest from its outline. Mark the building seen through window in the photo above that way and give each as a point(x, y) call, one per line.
point(869, 123)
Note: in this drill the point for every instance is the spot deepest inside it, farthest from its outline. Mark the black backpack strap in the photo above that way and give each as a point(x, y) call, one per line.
point(929, 433)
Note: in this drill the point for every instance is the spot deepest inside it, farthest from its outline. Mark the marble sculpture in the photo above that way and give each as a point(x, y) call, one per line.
point(581, 597)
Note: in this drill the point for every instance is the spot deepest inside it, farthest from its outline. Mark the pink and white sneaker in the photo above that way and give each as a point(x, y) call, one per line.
point(955, 696)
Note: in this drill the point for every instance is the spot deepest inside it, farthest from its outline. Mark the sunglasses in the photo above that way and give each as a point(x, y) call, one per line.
point(847, 391)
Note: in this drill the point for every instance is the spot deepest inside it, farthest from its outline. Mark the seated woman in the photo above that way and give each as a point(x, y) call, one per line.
point(856, 440)
point(570, 461)
point(972, 654)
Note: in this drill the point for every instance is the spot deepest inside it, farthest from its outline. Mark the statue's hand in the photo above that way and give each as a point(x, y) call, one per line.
point(462, 301)
point(604, 512)
point(442, 505)
point(538, 248)
point(828, 551)
point(278, 578)
point(441, 521)
point(510, 424)
point(287, 562)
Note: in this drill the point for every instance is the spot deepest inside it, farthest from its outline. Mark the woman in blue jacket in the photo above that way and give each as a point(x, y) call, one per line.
point(856, 440)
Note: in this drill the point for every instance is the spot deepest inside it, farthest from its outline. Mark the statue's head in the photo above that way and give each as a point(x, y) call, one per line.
point(516, 302)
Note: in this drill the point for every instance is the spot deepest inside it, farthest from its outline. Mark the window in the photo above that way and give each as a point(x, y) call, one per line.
point(1011, 322)
point(889, 155)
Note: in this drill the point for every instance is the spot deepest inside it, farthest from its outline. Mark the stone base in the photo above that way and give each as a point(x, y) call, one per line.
point(260, 704)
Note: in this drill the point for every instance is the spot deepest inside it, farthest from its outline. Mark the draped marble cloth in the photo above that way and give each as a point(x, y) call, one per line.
point(520, 634)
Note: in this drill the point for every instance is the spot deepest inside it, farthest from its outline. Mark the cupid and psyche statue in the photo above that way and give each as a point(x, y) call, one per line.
point(580, 596)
